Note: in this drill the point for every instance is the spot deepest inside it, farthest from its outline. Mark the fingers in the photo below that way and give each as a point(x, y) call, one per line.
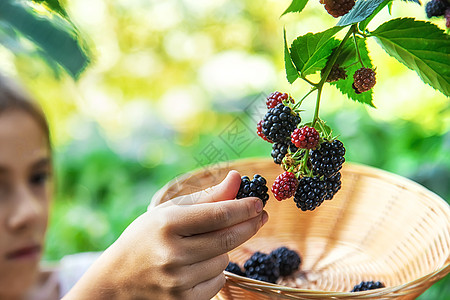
point(188, 220)
point(208, 289)
point(205, 246)
point(205, 270)
point(226, 190)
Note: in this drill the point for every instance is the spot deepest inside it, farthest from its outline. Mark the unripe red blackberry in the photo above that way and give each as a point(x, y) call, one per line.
point(260, 133)
point(305, 137)
point(327, 160)
point(364, 79)
point(367, 285)
point(279, 122)
point(276, 98)
point(310, 193)
point(284, 186)
point(253, 188)
point(336, 73)
point(436, 8)
point(279, 151)
point(338, 8)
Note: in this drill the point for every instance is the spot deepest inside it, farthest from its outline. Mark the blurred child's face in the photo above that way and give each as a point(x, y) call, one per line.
point(25, 192)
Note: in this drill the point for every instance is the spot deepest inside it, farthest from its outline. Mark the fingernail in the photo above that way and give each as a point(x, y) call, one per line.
point(265, 217)
point(258, 206)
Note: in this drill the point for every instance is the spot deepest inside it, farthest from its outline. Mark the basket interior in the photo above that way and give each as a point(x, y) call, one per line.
point(379, 226)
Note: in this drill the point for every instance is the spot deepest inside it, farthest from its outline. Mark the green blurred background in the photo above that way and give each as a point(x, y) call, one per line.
point(169, 80)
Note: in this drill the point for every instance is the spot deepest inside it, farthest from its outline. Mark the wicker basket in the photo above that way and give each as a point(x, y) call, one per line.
point(379, 226)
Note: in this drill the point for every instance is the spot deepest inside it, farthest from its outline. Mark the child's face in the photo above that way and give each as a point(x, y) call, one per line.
point(25, 193)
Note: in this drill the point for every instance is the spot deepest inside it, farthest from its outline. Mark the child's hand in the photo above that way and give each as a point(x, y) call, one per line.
point(178, 250)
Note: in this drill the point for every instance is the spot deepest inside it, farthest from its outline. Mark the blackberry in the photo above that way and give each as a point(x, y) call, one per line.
point(305, 137)
point(336, 74)
point(364, 79)
point(284, 186)
point(259, 132)
point(367, 285)
point(310, 193)
point(279, 122)
point(261, 266)
point(276, 98)
point(235, 269)
point(288, 260)
point(327, 160)
point(253, 188)
point(333, 185)
point(435, 8)
point(279, 151)
point(338, 8)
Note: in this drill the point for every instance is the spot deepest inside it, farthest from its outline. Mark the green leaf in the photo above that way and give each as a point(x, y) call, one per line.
point(296, 6)
point(362, 10)
point(54, 37)
point(363, 24)
point(421, 46)
point(311, 51)
point(291, 71)
point(53, 5)
point(347, 59)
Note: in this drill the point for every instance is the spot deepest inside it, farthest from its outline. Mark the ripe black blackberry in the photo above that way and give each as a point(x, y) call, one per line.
point(279, 151)
point(284, 186)
point(327, 160)
point(338, 8)
point(363, 80)
point(279, 122)
point(367, 285)
point(288, 260)
point(261, 266)
point(436, 8)
point(310, 193)
point(254, 188)
point(333, 185)
point(276, 98)
point(305, 137)
point(259, 132)
point(336, 74)
point(235, 269)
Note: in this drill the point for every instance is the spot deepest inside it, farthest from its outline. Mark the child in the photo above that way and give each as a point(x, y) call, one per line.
point(177, 250)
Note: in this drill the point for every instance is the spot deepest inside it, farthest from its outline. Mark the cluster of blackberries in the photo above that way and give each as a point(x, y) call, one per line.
point(367, 285)
point(268, 267)
point(439, 8)
point(310, 192)
point(253, 188)
point(326, 162)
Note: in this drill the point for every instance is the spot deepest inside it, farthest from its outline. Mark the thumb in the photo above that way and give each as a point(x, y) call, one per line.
point(226, 190)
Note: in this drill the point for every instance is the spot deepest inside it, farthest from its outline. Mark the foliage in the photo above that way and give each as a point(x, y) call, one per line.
point(55, 37)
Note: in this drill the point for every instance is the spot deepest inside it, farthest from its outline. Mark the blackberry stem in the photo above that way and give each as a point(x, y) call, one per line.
point(327, 71)
point(304, 97)
point(308, 81)
point(357, 50)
